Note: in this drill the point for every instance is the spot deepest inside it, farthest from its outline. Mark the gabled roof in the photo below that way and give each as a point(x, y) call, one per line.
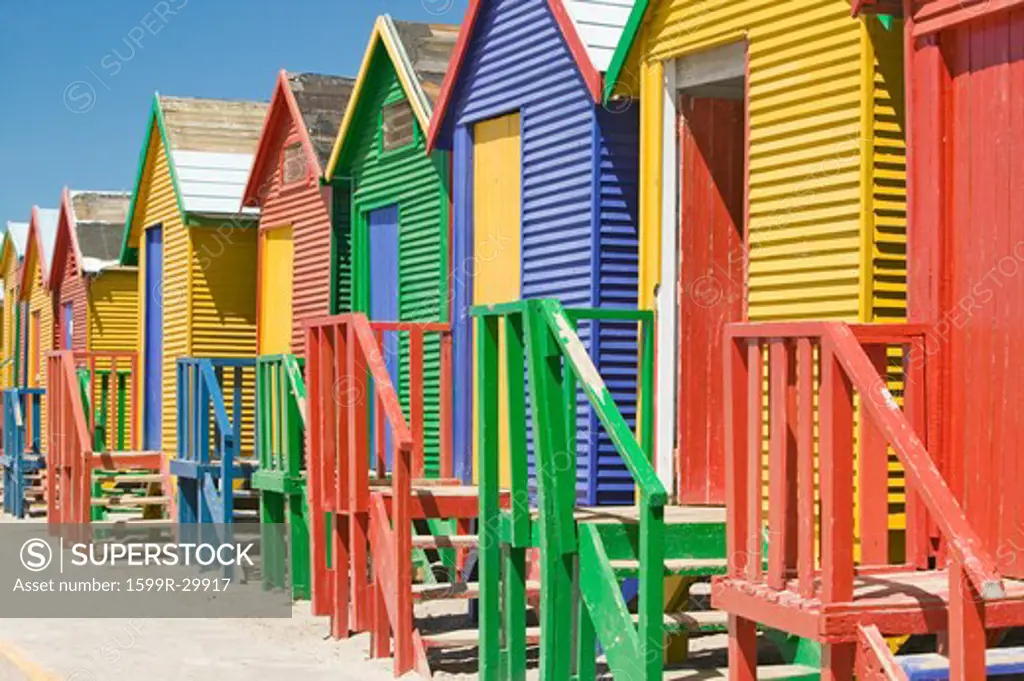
point(91, 225)
point(319, 101)
point(210, 145)
point(625, 44)
point(42, 237)
point(420, 54)
point(15, 237)
point(590, 27)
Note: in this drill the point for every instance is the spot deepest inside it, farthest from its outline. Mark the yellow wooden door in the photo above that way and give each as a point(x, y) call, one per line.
point(497, 170)
point(275, 315)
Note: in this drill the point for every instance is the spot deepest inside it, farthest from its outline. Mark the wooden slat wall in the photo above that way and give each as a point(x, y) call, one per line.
point(305, 207)
point(114, 312)
point(11, 274)
point(72, 290)
point(223, 305)
point(157, 205)
point(40, 300)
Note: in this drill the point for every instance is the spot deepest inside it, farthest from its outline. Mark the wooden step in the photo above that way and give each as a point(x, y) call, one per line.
point(689, 567)
point(935, 667)
point(773, 672)
point(128, 500)
point(457, 590)
point(468, 638)
point(445, 541)
point(116, 477)
point(694, 621)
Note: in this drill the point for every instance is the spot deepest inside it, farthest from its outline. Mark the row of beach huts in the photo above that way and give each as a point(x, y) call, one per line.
point(604, 325)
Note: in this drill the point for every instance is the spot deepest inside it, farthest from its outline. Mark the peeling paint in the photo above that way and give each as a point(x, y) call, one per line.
point(588, 373)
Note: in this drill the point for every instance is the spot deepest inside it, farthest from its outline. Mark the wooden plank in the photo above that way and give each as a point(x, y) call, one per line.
point(737, 406)
point(836, 407)
point(781, 478)
point(806, 505)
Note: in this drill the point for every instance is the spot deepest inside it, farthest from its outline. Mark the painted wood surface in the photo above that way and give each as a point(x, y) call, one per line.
point(157, 204)
point(965, 85)
point(11, 272)
point(366, 178)
point(383, 232)
point(277, 258)
point(114, 311)
point(40, 334)
point(711, 288)
point(497, 151)
point(152, 363)
point(566, 148)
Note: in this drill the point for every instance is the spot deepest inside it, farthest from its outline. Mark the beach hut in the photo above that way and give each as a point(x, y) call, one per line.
point(294, 284)
point(97, 299)
point(544, 195)
point(772, 187)
point(196, 252)
point(393, 199)
point(12, 253)
point(295, 209)
point(35, 278)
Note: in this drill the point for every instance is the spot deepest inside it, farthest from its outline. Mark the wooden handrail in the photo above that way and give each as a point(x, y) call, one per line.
point(921, 473)
point(364, 335)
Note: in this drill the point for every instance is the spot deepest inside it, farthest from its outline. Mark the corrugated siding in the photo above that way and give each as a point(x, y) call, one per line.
point(418, 184)
point(805, 143)
point(114, 312)
point(10, 330)
point(157, 205)
point(72, 290)
point(223, 274)
point(40, 301)
point(599, 24)
point(889, 197)
point(617, 288)
point(518, 60)
point(304, 207)
point(341, 245)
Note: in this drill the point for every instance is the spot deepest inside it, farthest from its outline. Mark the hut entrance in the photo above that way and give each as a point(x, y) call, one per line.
point(153, 355)
point(275, 325)
point(711, 278)
point(497, 174)
point(383, 242)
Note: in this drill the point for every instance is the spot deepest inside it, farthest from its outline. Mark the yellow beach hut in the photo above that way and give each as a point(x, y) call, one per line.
point(12, 252)
point(194, 247)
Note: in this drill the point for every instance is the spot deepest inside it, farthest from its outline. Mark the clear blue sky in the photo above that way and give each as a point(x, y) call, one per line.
point(78, 77)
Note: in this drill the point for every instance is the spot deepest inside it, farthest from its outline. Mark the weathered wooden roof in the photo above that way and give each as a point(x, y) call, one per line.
point(420, 54)
point(99, 222)
point(428, 48)
point(322, 100)
point(212, 125)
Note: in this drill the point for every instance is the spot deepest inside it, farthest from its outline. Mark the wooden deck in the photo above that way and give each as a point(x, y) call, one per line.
point(910, 602)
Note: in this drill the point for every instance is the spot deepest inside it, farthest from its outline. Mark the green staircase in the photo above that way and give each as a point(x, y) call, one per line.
point(590, 559)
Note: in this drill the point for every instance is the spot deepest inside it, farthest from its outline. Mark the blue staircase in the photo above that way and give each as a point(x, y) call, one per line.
point(999, 662)
point(22, 460)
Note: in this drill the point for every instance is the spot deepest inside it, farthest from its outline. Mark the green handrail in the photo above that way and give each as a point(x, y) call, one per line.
point(540, 337)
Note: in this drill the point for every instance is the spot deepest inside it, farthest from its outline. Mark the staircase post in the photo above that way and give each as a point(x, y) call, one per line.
point(966, 627)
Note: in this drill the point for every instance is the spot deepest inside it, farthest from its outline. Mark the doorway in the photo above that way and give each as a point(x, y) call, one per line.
point(383, 241)
point(275, 318)
point(153, 351)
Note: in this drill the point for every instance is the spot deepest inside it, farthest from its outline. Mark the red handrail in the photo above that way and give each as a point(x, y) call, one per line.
point(70, 447)
point(850, 359)
point(342, 352)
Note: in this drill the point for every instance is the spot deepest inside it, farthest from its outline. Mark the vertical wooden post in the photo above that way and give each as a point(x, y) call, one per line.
point(360, 394)
point(915, 407)
point(742, 649)
point(314, 474)
point(873, 473)
point(486, 334)
point(737, 406)
point(515, 557)
point(380, 421)
point(780, 473)
point(338, 422)
point(806, 505)
point(404, 464)
point(966, 627)
point(837, 503)
point(446, 395)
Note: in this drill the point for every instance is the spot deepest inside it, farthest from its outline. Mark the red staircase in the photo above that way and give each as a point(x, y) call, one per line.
point(809, 583)
point(77, 448)
point(365, 580)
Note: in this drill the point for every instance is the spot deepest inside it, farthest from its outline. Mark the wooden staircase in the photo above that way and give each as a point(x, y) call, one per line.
point(589, 557)
point(24, 466)
point(93, 468)
point(809, 581)
point(365, 580)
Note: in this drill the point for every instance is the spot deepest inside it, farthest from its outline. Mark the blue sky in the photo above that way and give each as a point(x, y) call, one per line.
point(79, 76)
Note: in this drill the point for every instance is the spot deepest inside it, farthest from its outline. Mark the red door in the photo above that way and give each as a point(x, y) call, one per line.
point(712, 284)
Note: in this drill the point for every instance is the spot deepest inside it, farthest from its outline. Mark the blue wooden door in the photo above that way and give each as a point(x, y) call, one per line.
point(68, 326)
point(154, 339)
point(383, 290)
